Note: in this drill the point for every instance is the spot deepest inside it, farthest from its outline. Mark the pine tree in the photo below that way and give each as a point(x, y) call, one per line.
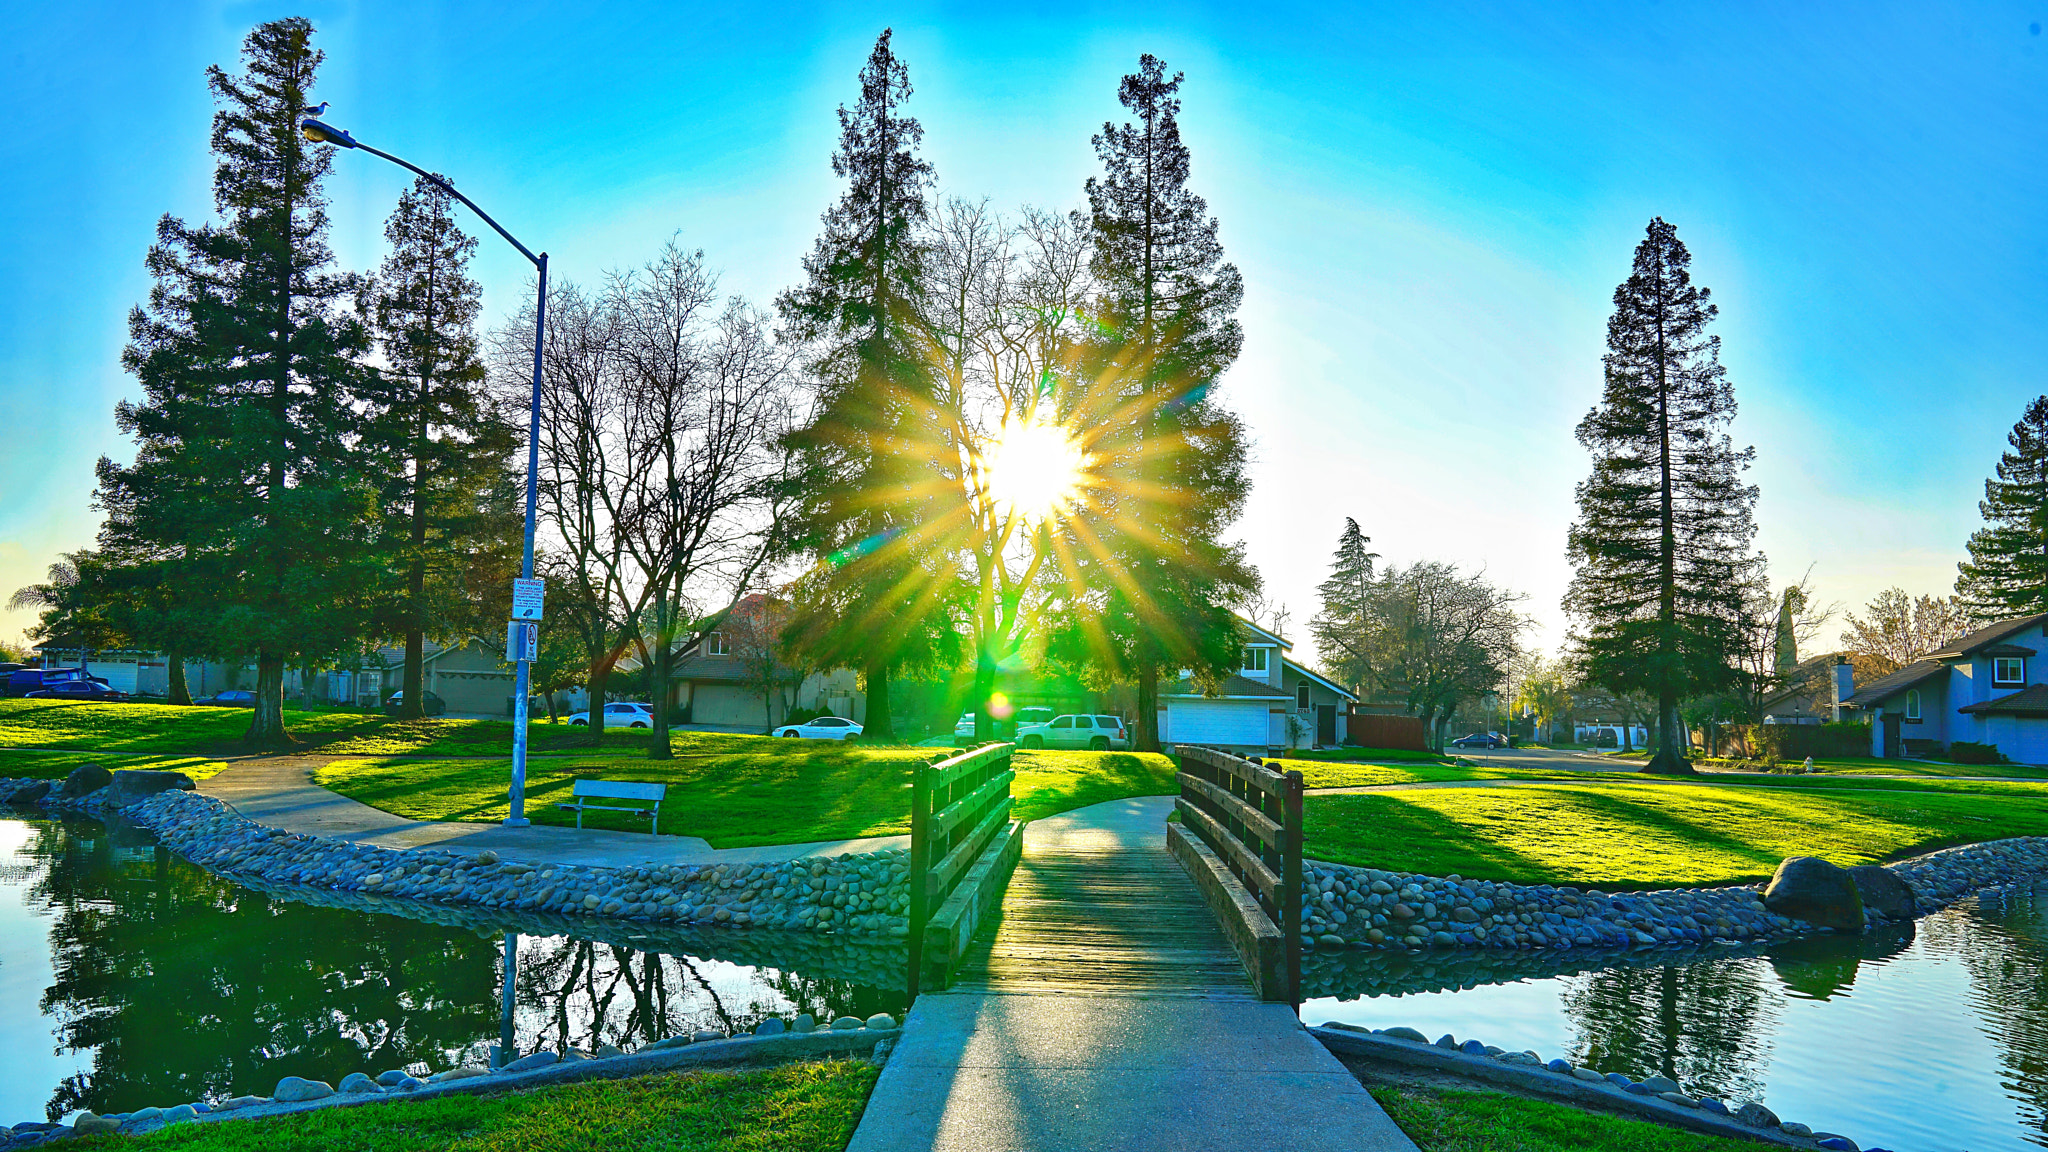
point(866, 491)
point(2007, 572)
point(1342, 625)
point(447, 498)
point(1172, 458)
point(243, 471)
point(1662, 544)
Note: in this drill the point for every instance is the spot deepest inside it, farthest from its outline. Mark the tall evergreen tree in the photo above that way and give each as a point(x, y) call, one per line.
point(448, 501)
point(867, 492)
point(2007, 572)
point(1662, 544)
point(1172, 457)
point(1343, 624)
point(243, 470)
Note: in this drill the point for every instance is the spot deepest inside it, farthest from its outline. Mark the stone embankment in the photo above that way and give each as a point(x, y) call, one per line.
point(772, 1039)
point(1656, 1097)
point(1350, 907)
point(863, 894)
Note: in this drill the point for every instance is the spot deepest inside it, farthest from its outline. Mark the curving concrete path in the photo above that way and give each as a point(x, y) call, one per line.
point(278, 791)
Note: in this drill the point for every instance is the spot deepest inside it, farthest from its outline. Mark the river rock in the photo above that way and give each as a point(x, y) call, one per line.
point(772, 1026)
point(89, 1124)
point(293, 1089)
point(1403, 1032)
point(144, 1114)
point(881, 1021)
point(1756, 1116)
point(465, 1072)
point(1811, 889)
point(84, 781)
point(607, 1051)
point(179, 1114)
point(1660, 1083)
point(132, 785)
point(32, 793)
point(530, 1062)
point(391, 1079)
point(1883, 891)
point(1794, 1128)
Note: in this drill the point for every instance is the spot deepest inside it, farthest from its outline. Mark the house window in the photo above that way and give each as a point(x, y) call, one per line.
point(1301, 695)
point(2009, 670)
point(1913, 705)
point(714, 644)
point(1255, 659)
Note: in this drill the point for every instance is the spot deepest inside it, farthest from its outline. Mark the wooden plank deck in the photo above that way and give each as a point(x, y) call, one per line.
point(1104, 921)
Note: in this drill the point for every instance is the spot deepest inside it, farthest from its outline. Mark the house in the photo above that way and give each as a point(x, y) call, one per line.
point(1989, 687)
point(1811, 691)
point(1270, 703)
point(732, 678)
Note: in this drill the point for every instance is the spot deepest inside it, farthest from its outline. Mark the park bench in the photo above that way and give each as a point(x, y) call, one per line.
point(587, 790)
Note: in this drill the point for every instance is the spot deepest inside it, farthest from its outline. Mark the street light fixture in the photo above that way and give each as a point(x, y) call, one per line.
point(320, 133)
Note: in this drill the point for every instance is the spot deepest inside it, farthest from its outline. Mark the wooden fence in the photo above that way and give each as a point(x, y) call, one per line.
point(1239, 838)
point(959, 809)
point(1371, 730)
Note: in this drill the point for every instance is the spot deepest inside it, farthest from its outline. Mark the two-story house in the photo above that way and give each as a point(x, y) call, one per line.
point(1989, 687)
point(1271, 703)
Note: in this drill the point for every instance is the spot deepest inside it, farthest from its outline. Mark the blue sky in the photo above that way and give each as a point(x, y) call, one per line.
point(1431, 206)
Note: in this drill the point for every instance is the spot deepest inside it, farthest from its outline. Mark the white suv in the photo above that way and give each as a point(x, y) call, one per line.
point(1100, 733)
point(620, 715)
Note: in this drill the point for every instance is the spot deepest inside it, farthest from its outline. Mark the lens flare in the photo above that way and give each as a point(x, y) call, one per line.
point(1034, 470)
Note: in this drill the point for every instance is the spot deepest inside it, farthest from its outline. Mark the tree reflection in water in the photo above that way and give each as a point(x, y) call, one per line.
point(1704, 1025)
point(2002, 942)
point(178, 985)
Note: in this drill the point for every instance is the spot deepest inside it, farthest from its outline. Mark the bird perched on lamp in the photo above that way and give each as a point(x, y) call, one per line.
point(319, 110)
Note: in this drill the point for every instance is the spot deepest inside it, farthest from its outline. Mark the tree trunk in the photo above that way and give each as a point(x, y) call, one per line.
point(178, 692)
point(600, 671)
point(1148, 707)
point(984, 691)
point(657, 673)
point(414, 704)
point(266, 723)
point(878, 729)
point(1670, 758)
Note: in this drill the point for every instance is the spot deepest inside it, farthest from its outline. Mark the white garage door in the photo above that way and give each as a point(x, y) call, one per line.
point(728, 704)
point(1240, 722)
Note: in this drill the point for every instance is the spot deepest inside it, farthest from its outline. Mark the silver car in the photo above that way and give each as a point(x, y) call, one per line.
point(1077, 730)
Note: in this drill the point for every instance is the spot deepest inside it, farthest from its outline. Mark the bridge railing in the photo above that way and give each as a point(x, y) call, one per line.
point(959, 807)
point(1239, 838)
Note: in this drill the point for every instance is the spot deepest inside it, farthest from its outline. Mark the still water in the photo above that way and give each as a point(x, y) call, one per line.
point(1921, 1039)
point(129, 978)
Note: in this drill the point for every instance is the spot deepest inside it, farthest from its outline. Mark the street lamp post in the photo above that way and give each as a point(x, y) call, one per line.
point(320, 133)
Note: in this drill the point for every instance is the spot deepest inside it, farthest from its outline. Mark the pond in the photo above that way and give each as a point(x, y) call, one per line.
point(129, 977)
point(1927, 1038)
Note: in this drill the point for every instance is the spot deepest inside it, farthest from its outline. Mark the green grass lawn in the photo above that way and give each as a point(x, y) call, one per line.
point(811, 1107)
point(741, 791)
point(1388, 755)
point(1324, 774)
point(1445, 1120)
point(1626, 833)
point(165, 729)
point(57, 765)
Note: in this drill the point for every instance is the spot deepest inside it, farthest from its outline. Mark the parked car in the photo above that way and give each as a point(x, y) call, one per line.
point(231, 698)
point(1100, 733)
point(1480, 740)
point(431, 704)
point(822, 728)
point(23, 681)
point(622, 714)
point(1002, 729)
point(79, 690)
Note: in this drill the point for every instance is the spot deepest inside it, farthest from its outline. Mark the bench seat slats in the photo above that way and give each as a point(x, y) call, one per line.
point(617, 790)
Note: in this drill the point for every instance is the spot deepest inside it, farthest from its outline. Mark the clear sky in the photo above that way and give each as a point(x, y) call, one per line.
point(1431, 206)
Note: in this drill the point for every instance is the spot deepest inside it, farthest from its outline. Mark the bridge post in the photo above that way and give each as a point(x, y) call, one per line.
point(920, 868)
point(1290, 882)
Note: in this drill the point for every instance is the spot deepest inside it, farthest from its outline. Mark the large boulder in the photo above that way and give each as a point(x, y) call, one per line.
point(131, 785)
point(1811, 889)
point(1884, 892)
point(84, 780)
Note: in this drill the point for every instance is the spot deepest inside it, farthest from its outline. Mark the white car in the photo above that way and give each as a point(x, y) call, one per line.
point(623, 715)
point(1100, 733)
point(822, 728)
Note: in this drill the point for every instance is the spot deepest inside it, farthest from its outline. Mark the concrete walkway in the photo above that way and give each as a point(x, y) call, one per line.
point(278, 791)
point(1086, 1068)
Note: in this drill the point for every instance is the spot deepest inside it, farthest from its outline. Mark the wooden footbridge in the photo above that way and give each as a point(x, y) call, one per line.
point(1108, 1002)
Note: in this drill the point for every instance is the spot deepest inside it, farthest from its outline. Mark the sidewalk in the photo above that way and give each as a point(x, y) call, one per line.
point(279, 792)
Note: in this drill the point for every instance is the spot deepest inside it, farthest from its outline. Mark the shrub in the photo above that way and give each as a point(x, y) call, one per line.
point(1970, 752)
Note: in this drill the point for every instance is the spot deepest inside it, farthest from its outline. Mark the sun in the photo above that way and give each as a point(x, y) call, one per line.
point(1034, 470)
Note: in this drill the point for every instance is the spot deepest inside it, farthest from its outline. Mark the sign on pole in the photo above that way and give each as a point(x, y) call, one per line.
point(522, 641)
point(527, 596)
